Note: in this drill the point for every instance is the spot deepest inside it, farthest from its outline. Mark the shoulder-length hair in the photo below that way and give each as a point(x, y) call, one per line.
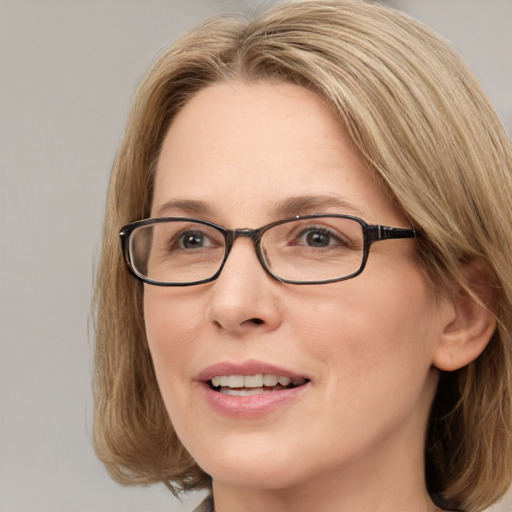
point(426, 132)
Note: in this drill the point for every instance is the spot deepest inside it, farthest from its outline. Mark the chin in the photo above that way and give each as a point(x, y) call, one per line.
point(253, 469)
point(261, 477)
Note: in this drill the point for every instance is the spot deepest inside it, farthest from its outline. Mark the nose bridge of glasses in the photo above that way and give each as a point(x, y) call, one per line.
point(253, 234)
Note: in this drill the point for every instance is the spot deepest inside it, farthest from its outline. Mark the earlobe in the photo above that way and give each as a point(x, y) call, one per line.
point(472, 323)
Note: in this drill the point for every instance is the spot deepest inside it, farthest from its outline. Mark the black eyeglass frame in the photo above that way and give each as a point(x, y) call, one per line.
point(371, 233)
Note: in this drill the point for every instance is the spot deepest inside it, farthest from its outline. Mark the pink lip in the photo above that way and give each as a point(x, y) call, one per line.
point(248, 406)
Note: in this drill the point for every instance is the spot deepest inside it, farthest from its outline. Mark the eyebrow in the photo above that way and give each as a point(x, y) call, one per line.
point(185, 205)
point(315, 204)
point(289, 207)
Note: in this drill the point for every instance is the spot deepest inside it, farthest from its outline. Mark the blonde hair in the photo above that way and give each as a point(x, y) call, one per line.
point(426, 132)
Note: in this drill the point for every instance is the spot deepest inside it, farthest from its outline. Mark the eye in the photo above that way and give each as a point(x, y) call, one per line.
point(192, 240)
point(318, 237)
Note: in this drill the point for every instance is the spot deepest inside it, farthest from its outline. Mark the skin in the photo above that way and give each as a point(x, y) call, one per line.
point(353, 440)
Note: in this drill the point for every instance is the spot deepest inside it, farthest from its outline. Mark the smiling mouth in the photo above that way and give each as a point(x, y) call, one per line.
point(247, 385)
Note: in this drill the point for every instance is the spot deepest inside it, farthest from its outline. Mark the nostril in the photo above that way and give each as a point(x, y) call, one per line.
point(256, 321)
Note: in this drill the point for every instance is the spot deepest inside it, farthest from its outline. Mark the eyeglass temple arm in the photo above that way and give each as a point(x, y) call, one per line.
point(387, 233)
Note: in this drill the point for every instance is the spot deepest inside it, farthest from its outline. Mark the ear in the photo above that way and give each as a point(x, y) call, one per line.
point(471, 321)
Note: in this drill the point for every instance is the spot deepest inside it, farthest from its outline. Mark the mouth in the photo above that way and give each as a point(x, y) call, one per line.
point(251, 388)
point(257, 384)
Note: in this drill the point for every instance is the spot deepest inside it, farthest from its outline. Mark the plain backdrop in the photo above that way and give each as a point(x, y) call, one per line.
point(68, 69)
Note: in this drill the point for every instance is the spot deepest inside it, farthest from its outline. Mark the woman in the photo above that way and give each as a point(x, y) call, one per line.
point(260, 348)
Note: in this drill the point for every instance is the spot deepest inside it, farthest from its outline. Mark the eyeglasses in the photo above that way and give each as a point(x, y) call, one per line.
point(310, 249)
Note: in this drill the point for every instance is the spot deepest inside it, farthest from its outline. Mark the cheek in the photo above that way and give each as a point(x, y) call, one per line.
point(370, 328)
point(170, 318)
point(374, 346)
point(172, 329)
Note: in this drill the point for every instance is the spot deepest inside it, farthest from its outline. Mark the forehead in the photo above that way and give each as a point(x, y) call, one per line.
point(254, 117)
point(242, 147)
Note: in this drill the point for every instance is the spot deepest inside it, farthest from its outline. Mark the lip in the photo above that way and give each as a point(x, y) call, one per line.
point(254, 405)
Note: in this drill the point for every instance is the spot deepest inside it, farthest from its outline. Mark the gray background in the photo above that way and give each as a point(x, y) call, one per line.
point(68, 70)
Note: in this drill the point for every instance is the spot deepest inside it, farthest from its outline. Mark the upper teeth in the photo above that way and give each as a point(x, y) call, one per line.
point(254, 381)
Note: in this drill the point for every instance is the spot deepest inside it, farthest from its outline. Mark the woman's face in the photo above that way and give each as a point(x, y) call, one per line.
point(242, 156)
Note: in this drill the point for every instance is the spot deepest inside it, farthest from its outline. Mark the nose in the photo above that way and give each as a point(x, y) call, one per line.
point(244, 297)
